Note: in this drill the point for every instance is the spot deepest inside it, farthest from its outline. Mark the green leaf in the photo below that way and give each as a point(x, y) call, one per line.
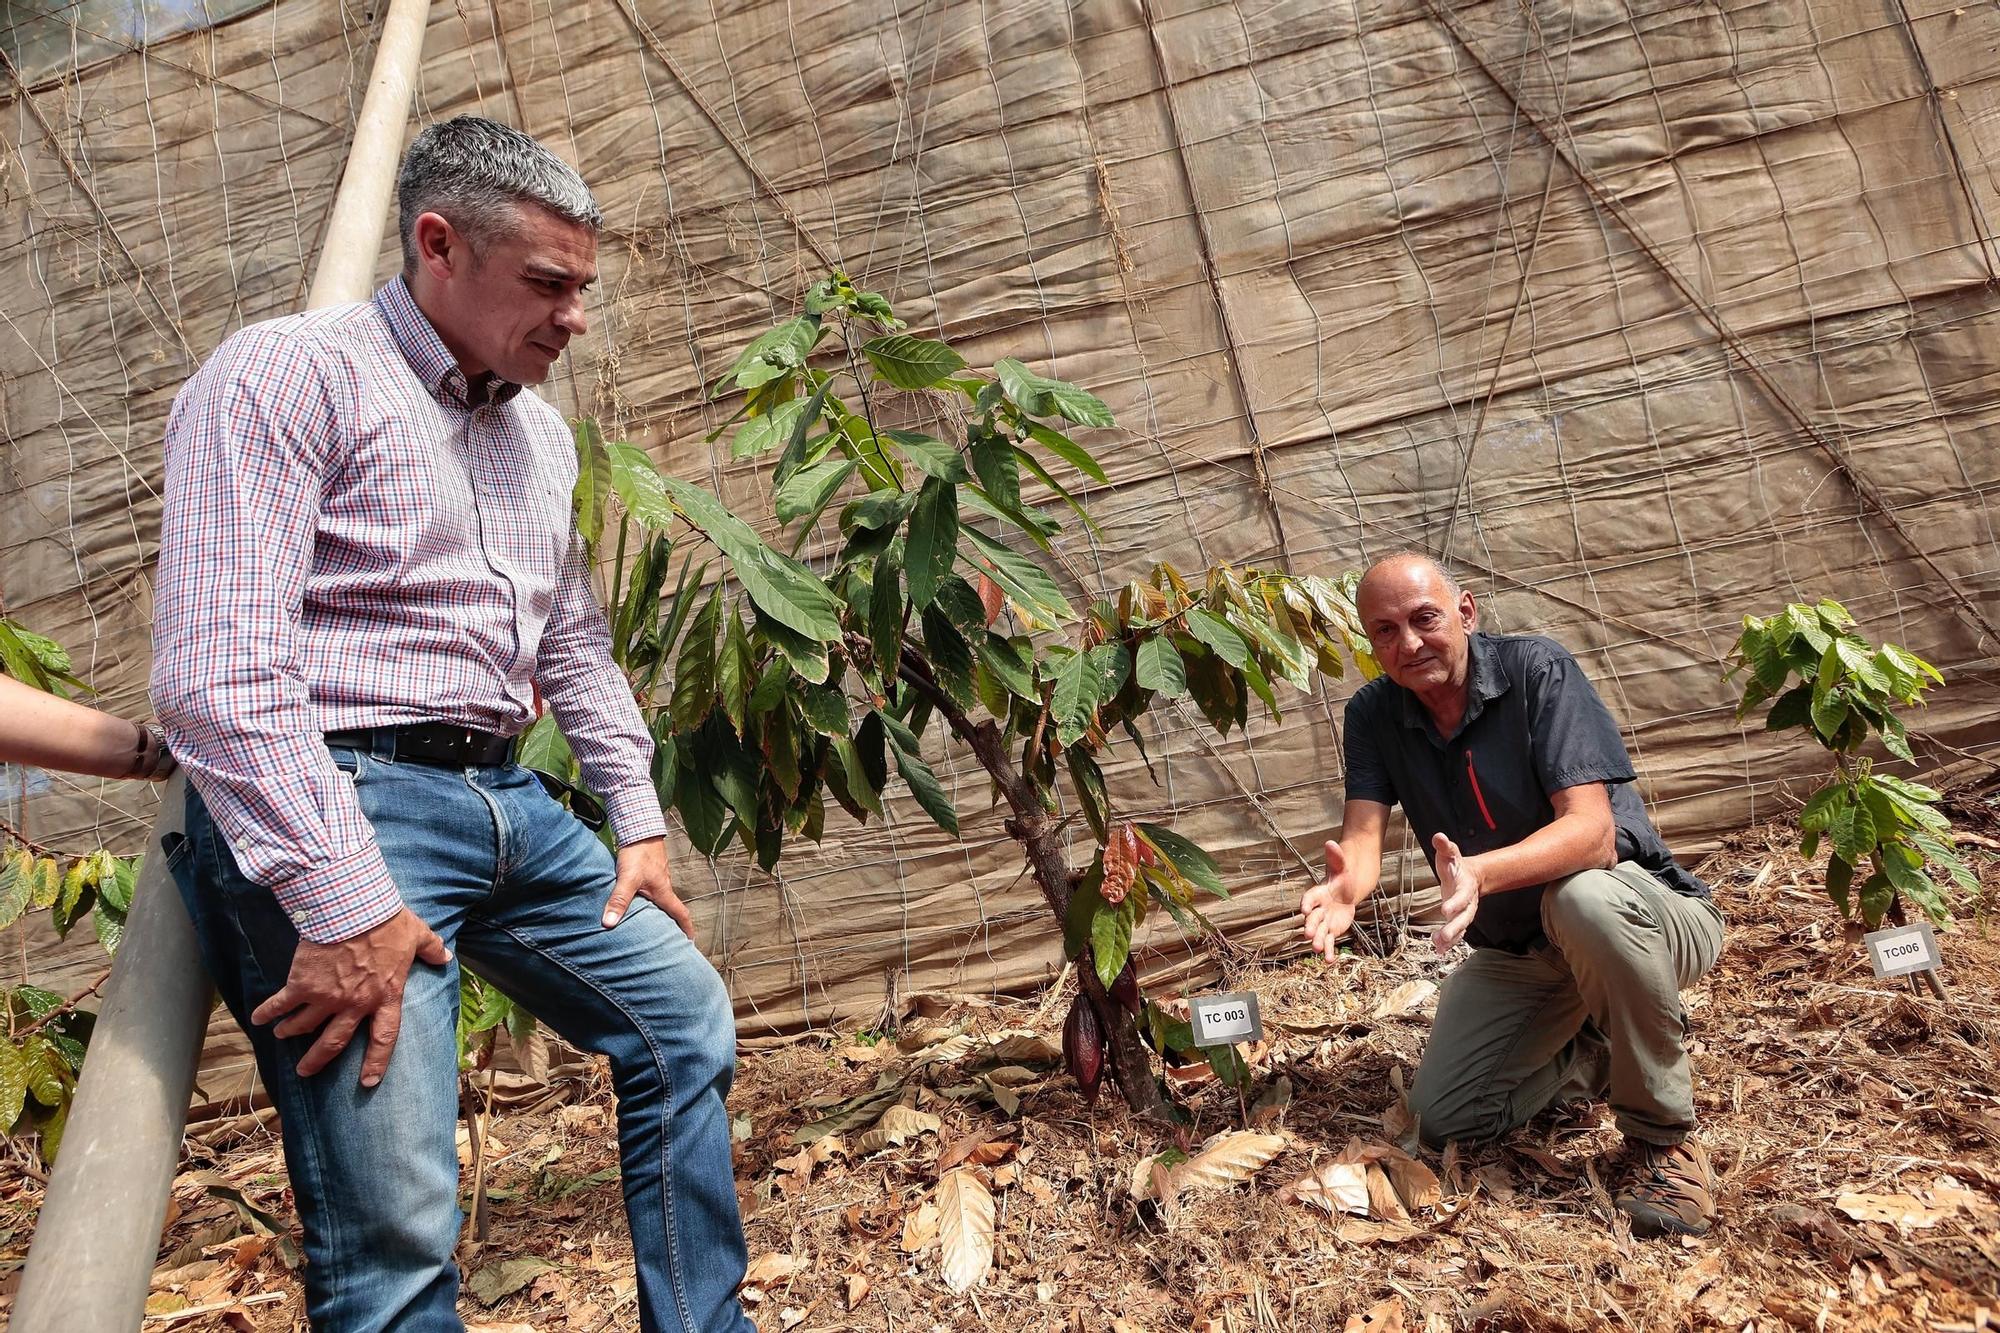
point(912, 363)
point(1036, 523)
point(1189, 861)
point(1063, 447)
point(1220, 637)
point(1160, 667)
point(694, 670)
point(797, 454)
point(1896, 738)
point(1767, 662)
point(763, 432)
point(1905, 870)
point(1793, 709)
point(772, 354)
point(1229, 1065)
point(885, 618)
point(1839, 875)
point(1911, 664)
point(1027, 583)
point(825, 709)
point(1090, 793)
point(1010, 662)
point(855, 780)
point(1033, 464)
point(924, 785)
point(1024, 387)
point(932, 543)
point(1829, 712)
point(44, 1072)
point(735, 670)
point(1084, 904)
point(932, 456)
point(882, 509)
point(74, 902)
point(1111, 937)
point(16, 888)
point(1825, 803)
point(1860, 664)
point(13, 1084)
point(811, 489)
point(1876, 895)
point(950, 656)
point(1074, 703)
point(999, 473)
point(1853, 832)
point(807, 657)
point(593, 482)
point(778, 585)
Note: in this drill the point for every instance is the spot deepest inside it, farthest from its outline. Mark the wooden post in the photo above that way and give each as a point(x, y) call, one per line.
point(92, 1256)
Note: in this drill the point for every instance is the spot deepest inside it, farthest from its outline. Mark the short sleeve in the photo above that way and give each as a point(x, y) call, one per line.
point(1367, 777)
point(1576, 741)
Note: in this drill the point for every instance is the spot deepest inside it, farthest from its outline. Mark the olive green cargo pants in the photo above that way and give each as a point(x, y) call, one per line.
point(1595, 1012)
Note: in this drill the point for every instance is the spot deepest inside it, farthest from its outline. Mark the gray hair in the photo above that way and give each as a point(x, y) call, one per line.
point(1429, 562)
point(474, 172)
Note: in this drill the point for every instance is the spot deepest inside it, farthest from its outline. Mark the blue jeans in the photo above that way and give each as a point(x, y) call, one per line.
point(516, 886)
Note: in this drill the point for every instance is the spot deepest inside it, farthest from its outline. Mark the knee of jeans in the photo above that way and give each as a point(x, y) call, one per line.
point(412, 1213)
point(1589, 905)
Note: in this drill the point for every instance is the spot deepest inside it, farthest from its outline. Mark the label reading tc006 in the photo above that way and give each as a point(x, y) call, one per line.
point(1901, 950)
point(1222, 1020)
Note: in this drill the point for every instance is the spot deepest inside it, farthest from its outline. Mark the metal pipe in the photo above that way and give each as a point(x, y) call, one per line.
point(352, 241)
point(92, 1256)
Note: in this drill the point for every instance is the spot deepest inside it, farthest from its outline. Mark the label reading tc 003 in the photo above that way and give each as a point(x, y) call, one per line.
point(1222, 1020)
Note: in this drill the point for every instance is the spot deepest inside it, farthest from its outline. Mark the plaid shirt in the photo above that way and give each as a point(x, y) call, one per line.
point(354, 536)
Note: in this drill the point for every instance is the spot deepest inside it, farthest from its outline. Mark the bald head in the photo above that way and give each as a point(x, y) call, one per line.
point(1419, 624)
point(1403, 568)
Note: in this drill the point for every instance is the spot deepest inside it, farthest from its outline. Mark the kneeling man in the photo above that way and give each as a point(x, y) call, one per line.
point(1584, 928)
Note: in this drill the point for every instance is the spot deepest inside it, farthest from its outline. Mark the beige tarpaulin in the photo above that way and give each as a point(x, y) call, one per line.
point(1647, 315)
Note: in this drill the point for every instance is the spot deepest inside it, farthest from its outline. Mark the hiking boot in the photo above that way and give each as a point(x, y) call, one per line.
point(1668, 1191)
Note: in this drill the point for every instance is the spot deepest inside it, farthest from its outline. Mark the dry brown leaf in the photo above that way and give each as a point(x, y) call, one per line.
point(920, 1228)
point(1414, 1181)
point(1225, 1160)
point(1901, 1209)
point(1019, 1046)
point(857, 1289)
point(983, 1146)
point(898, 1125)
point(1383, 1203)
point(1011, 1076)
point(1336, 1187)
point(965, 1228)
point(1271, 1104)
point(856, 1053)
point(768, 1268)
point(1404, 999)
point(1361, 1231)
point(944, 1052)
point(1384, 1318)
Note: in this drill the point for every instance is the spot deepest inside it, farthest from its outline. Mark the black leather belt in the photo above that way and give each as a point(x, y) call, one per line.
point(428, 743)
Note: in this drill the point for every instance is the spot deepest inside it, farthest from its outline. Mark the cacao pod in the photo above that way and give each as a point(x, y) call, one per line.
point(1083, 1048)
point(1125, 990)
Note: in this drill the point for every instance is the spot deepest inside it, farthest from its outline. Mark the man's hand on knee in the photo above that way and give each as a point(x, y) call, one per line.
point(334, 988)
point(643, 873)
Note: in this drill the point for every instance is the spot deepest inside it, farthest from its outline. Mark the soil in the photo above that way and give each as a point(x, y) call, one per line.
point(1855, 1125)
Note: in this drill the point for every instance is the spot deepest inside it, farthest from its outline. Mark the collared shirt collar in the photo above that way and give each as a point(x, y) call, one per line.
point(1486, 680)
point(437, 369)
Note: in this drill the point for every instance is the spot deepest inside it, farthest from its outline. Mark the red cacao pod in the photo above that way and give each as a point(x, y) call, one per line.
point(1083, 1048)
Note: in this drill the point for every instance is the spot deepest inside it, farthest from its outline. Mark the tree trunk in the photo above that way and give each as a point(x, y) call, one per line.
point(1131, 1063)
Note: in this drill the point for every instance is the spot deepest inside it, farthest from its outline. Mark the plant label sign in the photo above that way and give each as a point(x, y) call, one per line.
point(1224, 1020)
point(1901, 950)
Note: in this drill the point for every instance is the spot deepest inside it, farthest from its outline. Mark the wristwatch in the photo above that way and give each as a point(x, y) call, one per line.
point(151, 759)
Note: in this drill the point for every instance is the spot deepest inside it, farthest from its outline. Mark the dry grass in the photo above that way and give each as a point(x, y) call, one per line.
point(1815, 1082)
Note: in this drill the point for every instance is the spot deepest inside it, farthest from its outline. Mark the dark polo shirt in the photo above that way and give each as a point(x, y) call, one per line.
point(1533, 725)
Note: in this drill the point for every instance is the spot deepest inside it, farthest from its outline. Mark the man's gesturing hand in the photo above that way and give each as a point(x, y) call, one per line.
point(1326, 907)
point(642, 872)
point(1458, 876)
point(334, 988)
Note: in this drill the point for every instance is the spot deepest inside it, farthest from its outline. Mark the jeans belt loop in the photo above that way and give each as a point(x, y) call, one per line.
point(383, 744)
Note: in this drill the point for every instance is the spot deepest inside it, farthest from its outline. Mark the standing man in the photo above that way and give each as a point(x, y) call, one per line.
point(367, 567)
point(1585, 929)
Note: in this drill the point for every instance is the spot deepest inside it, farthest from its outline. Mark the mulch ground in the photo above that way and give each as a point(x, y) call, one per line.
point(1856, 1126)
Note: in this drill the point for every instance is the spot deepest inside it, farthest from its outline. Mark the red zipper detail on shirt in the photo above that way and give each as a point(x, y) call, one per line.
point(1477, 794)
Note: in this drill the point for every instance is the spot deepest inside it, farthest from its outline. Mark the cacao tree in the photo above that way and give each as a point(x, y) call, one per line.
point(1824, 679)
point(795, 686)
